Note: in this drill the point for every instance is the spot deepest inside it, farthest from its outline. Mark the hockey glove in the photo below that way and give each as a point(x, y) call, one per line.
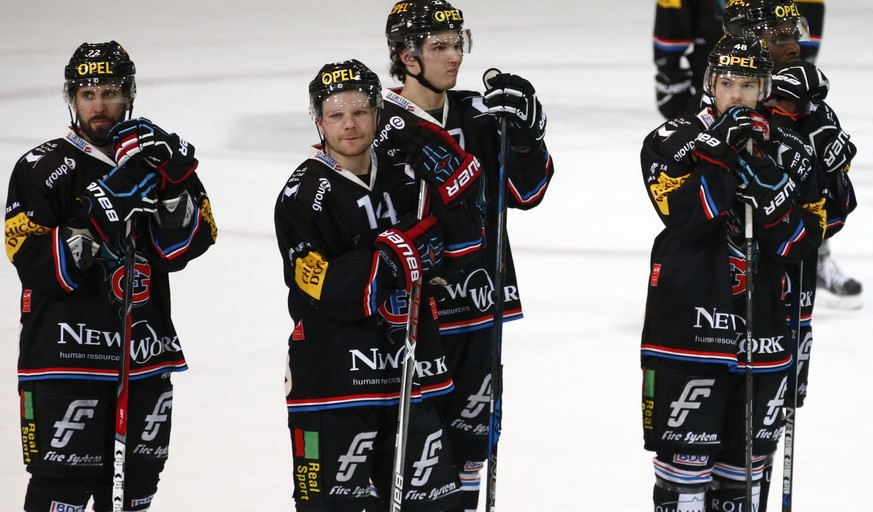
point(125, 193)
point(831, 144)
point(411, 253)
point(769, 190)
point(673, 92)
point(79, 239)
point(439, 160)
point(800, 82)
point(513, 97)
point(735, 126)
point(172, 156)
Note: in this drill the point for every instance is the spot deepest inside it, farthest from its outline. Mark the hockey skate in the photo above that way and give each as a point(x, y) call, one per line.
point(835, 289)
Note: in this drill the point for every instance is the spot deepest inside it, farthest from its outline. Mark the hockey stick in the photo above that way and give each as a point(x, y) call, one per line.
point(791, 407)
point(749, 233)
point(408, 373)
point(121, 403)
point(496, 398)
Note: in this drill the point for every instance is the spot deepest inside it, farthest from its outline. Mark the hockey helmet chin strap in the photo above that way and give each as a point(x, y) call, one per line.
point(421, 79)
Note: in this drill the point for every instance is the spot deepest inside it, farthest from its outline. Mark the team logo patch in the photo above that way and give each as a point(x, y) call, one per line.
point(142, 273)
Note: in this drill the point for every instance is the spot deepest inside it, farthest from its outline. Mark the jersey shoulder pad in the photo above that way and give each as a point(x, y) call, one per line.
point(308, 185)
point(467, 99)
point(48, 163)
point(674, 139)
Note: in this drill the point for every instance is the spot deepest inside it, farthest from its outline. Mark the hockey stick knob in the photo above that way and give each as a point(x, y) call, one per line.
point(488, 75)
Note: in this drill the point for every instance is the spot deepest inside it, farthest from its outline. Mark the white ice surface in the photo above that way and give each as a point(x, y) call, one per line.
point(231, 77)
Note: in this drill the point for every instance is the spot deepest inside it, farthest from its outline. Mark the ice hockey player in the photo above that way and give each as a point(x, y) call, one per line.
point(351, 244)
point(427, 42)
point(700, 177)
point(684, 34)
point(69, 199)
point(790, 36)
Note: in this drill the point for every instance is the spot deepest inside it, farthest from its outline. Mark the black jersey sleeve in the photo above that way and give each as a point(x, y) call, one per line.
point(688, 195)
point(320, 269)
point(171, 248)
point(41, 199)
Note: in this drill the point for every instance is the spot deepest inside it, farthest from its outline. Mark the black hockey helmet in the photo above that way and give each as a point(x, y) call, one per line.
point(786, 21)
point(409, 22)
point(421, 17)
point(743, 56)
point(348, 75)
point(746, 17)
point(99, 63)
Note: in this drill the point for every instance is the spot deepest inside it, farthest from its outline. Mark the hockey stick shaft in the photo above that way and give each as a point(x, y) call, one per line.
point(408, 374)
point(791, 407)
point(750, 407)
point(497, 329)
point(121, 401)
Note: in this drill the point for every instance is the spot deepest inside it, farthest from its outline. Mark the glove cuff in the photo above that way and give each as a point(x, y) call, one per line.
point(401, 256)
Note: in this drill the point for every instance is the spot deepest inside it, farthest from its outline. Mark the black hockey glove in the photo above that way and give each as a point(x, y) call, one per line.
point(673, 92)
point(800, 82)
point(413, 252)
point(729, 134)
point(831, 144)
point(79, 239)
point(513, 97)
point(439, 160)
point(125, 193)
point(734, 126)
point(172, 156)
point(764, 186)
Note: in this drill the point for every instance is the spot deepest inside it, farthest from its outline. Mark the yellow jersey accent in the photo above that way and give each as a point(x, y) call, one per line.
point(309, 273)
point(663, 188)
point(18, 228)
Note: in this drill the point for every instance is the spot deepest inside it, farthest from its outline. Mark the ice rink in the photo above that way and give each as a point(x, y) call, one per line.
point(231, 77)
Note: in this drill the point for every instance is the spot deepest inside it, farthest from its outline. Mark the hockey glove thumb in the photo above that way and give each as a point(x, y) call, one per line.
point(735, 126)
point(439, 160)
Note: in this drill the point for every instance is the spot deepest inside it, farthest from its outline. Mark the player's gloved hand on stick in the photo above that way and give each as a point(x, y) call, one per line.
point(673, 92)
point(414, 251)
point(735, 126)
point(763, 185)
point(728, 135)
point(513, 97)
point(125, 193)
point(169, 154)
point(439, 160)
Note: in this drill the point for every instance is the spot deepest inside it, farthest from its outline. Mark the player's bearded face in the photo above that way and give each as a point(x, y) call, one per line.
point(348, 123)
point(99, 108)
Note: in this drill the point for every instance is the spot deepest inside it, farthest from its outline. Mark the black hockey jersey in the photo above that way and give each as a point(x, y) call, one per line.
point(696, 302)
point(466, 303)
point(348, 309)
point(70, 322)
